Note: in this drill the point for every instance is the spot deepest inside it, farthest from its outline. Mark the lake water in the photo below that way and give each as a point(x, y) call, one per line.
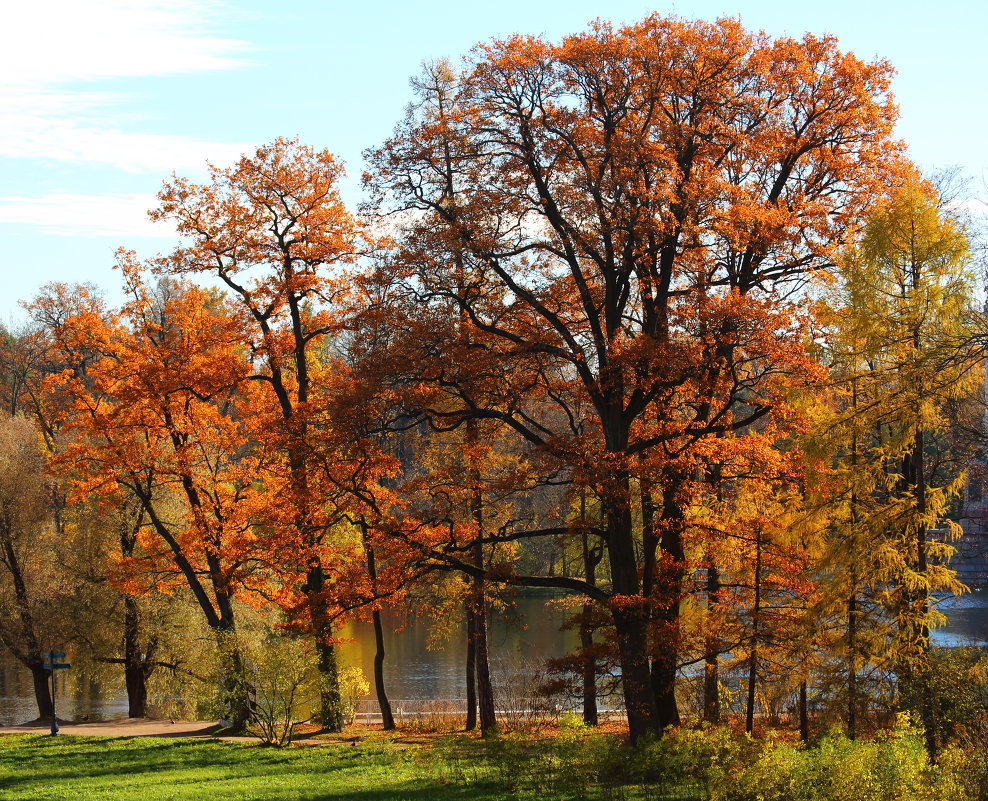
point(413, 672)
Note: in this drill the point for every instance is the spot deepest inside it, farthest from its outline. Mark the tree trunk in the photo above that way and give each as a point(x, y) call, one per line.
point(804, 716)
point(749, 715)
point(852, 601)
point(669, 586)
point(235, 688)
point(137, 665)
point(590, 716)
point(471, 669)
point(330, 700)
point(485, 690)
point(631, 617)
point(42, 692)
point(749, 708)
point(711, 662)
point(712, 645)
point(387, 718)
point(135, 672)
point(928, 710)
point(663, 676)
point(919, 602)
point(631, 626)
point(917, 477)
point(852, 673)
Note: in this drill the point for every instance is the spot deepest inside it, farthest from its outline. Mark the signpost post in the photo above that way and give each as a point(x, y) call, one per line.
point(51, 665)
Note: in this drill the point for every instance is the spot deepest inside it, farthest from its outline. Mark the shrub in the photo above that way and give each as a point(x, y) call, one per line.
point(893, 767)
point(957, 682)
point(284, 682)
point(353, 687)
point(714, 764)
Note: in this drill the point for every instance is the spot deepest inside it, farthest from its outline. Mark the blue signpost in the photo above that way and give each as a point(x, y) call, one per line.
point(51, 665)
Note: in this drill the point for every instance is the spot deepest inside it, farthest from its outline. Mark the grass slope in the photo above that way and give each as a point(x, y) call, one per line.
point(43, 768)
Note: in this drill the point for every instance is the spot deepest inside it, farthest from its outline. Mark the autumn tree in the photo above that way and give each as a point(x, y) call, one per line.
point(274, 231)
point(83, 538)
point(154, 429)
point(902, 351)
point(30, 581)
point(624, 216)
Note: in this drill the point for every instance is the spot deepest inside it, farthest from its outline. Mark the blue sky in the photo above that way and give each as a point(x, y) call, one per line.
point(100, 101)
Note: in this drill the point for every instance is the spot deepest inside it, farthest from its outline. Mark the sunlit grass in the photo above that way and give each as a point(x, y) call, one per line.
point(43, 768)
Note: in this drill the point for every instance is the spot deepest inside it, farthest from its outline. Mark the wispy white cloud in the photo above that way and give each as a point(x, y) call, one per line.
point(34, 126)
point(51, 52)
point(49, 42)
point(65, 214)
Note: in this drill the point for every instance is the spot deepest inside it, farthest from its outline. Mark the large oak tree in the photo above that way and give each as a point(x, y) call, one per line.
point(624, 219)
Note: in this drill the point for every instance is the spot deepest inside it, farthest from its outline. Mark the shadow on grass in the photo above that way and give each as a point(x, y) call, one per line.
point(39, 767)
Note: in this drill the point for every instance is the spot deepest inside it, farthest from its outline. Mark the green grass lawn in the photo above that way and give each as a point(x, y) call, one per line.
point(43, 768)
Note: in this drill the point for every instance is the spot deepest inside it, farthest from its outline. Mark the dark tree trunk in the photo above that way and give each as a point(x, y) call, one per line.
point(330, 701)
point(852, 601)
point(712, 646)
point(590, 717)
point(138, 661)
point(136, 666)
point(749, 714)
point(631, 617)
point(135, 672)
point(471, 669)
point(590, 560)
point(915, 473)
point(387, 717)
point(804, 716)
point(664, 687)
point(631, 626)
point(749, 707)
point(237, 695)
point(711, 662)
point(669, 586)
point(237, 689)
point(42, 691)
point(852, 674)
point(485, 690)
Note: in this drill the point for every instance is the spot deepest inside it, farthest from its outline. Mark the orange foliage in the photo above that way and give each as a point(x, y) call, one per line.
point(625, 219)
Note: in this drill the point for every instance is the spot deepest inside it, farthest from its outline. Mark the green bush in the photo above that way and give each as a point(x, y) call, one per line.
point(893, 767)
point(714, 764)
point(957, 682)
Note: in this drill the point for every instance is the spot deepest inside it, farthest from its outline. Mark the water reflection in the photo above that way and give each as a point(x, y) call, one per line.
point(412, 670)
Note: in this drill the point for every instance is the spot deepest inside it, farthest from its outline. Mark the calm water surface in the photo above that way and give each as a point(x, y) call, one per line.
point(412, 670)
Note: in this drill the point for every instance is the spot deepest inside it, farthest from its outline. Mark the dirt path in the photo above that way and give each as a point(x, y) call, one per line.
point(126, 727)
point(143, 727)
